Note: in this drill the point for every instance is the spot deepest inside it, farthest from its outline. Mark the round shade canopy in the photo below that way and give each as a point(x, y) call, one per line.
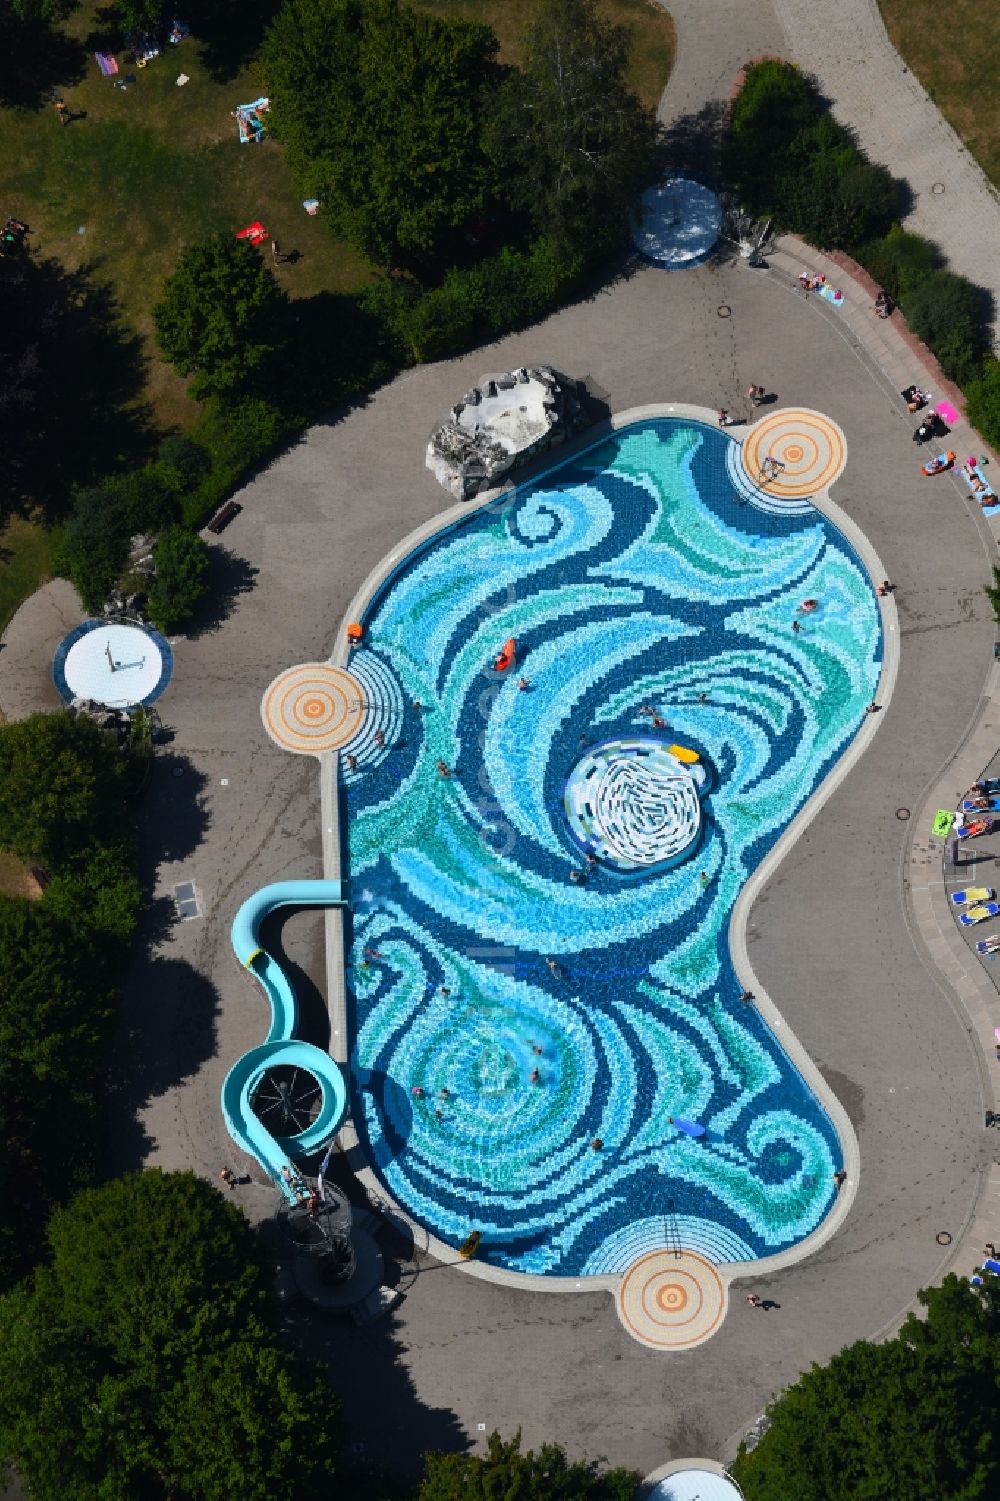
point(120, 666)
point(695, 1485)
point(678, 224)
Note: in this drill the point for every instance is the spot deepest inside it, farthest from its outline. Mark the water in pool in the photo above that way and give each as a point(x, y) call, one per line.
point(539, 973)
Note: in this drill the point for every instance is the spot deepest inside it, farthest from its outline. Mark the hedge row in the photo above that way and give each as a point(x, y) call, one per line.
point(790, 161)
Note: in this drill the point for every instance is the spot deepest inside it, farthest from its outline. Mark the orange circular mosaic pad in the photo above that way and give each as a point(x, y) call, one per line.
point(672, 1301)
point(794, 453)
point(313, 708)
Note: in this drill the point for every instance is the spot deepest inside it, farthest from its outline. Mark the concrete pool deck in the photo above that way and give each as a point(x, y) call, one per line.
point(830, 935)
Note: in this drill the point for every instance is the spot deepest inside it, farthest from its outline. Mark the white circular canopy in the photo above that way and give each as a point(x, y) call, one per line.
point(116, 665)
point(695, 1485)
point(679, 222)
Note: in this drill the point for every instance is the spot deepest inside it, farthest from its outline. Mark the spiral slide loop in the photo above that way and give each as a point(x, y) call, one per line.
point(280, 1048)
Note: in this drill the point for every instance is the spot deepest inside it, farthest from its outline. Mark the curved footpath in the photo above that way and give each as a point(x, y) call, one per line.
point(869, 88)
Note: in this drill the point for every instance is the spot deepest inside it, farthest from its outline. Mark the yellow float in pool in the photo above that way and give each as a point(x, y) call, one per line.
point(689, 757)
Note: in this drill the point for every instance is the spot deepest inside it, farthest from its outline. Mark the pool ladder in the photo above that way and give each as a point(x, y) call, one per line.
point(671, 1232)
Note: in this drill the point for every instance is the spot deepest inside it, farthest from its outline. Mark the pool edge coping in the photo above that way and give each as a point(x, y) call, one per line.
point(340, 656)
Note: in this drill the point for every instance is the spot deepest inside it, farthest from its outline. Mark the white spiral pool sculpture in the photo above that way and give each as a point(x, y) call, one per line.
point(634, 805)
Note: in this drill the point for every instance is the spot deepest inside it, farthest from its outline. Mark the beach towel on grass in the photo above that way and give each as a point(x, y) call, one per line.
point(106, 63)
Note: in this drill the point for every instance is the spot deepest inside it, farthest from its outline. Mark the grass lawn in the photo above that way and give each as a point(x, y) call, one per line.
point(25, 555)
point(150, 170)
point(653, 36)
point(963, 77)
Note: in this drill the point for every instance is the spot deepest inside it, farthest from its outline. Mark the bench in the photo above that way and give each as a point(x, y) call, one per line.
point(223, 517)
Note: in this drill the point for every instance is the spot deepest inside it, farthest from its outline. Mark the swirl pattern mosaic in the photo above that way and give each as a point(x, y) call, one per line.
point(536, 1004)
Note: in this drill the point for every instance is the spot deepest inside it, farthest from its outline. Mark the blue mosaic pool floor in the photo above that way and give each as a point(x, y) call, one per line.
point(506, 1016)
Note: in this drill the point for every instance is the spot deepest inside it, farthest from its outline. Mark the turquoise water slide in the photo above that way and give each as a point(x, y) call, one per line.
point(279, 1154)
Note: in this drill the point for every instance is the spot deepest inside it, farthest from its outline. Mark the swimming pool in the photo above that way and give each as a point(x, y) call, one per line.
point(506, 1016)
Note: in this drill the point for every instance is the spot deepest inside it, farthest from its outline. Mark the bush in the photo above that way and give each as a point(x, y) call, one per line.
point(898, 261)
point(982, 406)
point(182, 462)
point(181, 559)
point(482, 302)
point(942, 310)
point(95, 545)
point(94, 548)
point(236, 435)
point(830, 192)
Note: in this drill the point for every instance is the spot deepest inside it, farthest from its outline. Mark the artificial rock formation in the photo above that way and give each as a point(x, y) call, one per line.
point(499, 423)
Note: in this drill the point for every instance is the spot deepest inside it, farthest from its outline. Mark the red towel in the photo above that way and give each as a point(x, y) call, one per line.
point(254, 232)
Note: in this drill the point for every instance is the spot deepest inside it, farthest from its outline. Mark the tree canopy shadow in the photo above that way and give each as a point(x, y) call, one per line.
point(230, 32)
point(165, 1032)
point(71, 383)
point(36, 58)
point(172, 818)
point(228, 578)
point(391, 1426)
point(694, 142)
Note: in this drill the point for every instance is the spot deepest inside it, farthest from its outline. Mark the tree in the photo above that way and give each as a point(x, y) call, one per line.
point(574, 142)
point(139, 17)
point(61, 788)
point(915, 1416)
point(140, 1362)
point(222, 316)
point(54, 1001)
point(181, 559)
point(99, 891)
point(253, 1422)
point(505, 1472)
point(382, 111)
point(157, 1268)
point(42, 10)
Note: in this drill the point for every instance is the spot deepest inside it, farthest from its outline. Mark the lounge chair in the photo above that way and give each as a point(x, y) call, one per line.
point(971, 895)
point(979, 914)
point(973, 827)
point(989, 945)
point(971, 805)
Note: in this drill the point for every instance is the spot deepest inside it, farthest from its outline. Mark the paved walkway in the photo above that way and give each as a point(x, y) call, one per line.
point(846, 48)
point(29, 644)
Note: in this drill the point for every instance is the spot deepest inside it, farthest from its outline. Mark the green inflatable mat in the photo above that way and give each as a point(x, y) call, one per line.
point(943, 821)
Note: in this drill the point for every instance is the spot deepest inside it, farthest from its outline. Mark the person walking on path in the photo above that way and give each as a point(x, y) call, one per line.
point(228, 1177)
point(753, 1299)
point(276, 256)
